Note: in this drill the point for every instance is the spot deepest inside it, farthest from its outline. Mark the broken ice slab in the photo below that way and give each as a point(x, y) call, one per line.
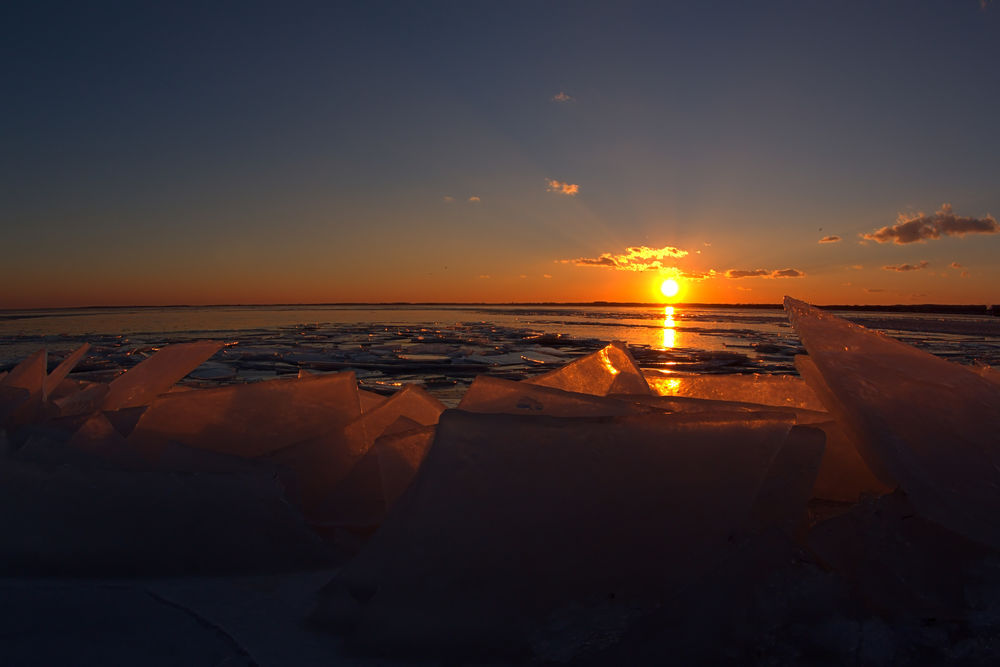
point(705, 405)
point(11, 398)
point(250, 419)
point(843, 475)
point(486, 543)
point(788, 485)
point(926, 423)
point(490, 394)
point(778, 390)
point(990, 373)
point(86, 399)
point(123, 523)
point(64, 368)
point(903, 566)
point(321, 467)
point(356, 501)
point(400, 455)
point(141, 384)
point(611, 370)
point(412, 402)
point(29, 374)
point(370, 400)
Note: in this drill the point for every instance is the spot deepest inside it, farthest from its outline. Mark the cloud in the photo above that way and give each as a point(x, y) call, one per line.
point(546, 275)
point(763, 273)
point(484, 276)
point(474, 198)
point(523, 276)
point(920, 227)
point(562, 97)
point(830, 239)
point(562, 188)
point(965, 274)
point(874, 290)
point(907, 267)
point(635, 258)
point(448, 199)
point(956, 265)
point(857, 267)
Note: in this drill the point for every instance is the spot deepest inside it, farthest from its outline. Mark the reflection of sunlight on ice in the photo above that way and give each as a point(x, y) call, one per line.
point(664, 386)
point(606, 360)
point(669, 333)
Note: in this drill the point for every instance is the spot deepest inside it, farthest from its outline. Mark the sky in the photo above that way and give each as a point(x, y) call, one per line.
point(266, 152)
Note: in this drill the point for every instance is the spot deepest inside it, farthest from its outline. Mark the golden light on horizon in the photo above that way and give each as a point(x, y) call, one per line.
point(670, 288)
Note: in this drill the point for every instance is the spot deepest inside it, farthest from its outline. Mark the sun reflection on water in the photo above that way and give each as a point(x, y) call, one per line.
point(669, 333)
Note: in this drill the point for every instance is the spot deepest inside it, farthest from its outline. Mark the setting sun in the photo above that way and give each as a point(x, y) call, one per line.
point(670, 287)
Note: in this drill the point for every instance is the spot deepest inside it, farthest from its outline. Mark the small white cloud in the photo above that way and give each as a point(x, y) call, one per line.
point(474, 198)
point(484, 276)
point(545, 275)
point(447, 199)
point(562, 97)
point(570, 189)
point(830, 239)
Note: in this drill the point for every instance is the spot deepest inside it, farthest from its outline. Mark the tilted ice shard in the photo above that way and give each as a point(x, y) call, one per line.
point(29, 374)
point(154, 376)
point(60, 372)
point(511, 518)
point(783, 390)
point(844, 476)
point(490, 394)
point(611, 370)
point(412, 402)
point(251, 419)
point(927, 423)
point(370, 400)
point(399, 457)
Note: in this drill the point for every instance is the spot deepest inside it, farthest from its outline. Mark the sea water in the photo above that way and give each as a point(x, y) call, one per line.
point(445, 346)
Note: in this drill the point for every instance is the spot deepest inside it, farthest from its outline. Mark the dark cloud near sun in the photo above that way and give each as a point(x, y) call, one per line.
point(907, 267)
point(763, 273)
point(921, 227)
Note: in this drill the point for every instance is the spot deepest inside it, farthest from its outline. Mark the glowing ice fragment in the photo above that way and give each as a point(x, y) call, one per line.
point(777, 390)
point(611, 370)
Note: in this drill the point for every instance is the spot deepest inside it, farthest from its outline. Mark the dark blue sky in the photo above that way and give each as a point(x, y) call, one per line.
point(197, 150)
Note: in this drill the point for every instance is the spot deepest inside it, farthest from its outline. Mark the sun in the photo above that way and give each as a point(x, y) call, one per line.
point(670, 288)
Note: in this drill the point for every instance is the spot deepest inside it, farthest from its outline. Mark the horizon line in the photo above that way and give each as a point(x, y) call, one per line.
point(988, 308)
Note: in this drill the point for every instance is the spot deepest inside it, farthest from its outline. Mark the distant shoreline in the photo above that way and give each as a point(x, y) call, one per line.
point(943, 309)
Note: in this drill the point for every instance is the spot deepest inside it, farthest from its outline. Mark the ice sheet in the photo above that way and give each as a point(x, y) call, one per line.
point(251, 419)
point(495, 395)
point(487, 542)
point(928, 423)
point(778, 390)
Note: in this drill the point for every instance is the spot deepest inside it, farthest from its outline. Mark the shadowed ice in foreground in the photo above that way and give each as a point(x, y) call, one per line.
point(596, 514)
